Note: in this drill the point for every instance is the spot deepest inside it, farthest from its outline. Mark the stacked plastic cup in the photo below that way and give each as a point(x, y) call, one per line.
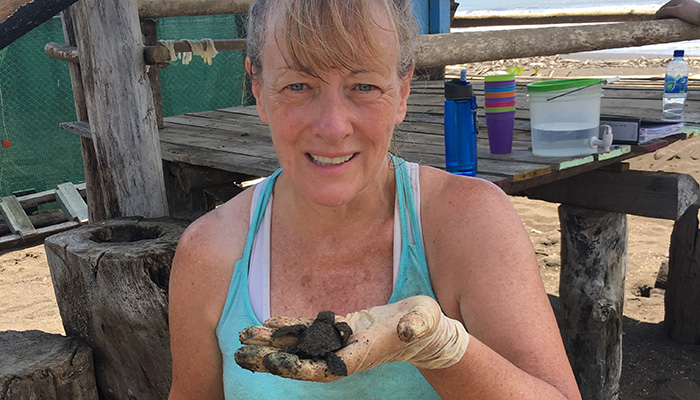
point(499, 105)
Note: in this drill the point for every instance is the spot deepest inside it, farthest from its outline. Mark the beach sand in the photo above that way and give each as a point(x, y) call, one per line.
point(653, 366)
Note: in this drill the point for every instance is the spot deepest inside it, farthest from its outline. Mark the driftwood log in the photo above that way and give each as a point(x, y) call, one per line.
point(591, 289)
point(40, 365)
point(111, 284)
point(682, 299)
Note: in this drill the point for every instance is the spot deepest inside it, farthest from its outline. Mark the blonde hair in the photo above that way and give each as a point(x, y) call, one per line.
point(325, 34)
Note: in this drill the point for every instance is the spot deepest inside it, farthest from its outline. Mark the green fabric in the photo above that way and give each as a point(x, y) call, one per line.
point(36, 96)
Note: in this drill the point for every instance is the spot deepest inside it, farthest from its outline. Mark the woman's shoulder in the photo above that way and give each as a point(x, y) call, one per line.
point(221, 231)
point(205, 259)
point(442, 192)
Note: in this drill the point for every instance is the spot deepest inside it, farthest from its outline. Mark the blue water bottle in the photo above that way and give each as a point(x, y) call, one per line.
point(460, 126)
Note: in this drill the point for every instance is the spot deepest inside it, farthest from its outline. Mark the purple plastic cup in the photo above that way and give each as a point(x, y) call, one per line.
point(499, 126)
point(499, 83)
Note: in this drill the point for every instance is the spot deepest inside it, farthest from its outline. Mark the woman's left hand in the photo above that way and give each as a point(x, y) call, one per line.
point(413, 330)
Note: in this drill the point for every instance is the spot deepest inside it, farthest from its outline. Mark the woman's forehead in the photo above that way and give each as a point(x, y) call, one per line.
point(372, 47)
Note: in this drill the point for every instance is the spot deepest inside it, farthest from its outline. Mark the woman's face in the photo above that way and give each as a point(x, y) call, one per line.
point(331, 133)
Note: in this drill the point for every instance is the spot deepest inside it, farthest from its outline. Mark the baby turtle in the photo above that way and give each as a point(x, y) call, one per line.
point(319, 340)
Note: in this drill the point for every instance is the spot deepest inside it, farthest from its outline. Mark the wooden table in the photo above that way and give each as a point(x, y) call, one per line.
point(596, 191)
point(234, 139)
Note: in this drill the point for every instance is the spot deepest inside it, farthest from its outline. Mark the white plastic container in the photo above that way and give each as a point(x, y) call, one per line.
point(564, 116)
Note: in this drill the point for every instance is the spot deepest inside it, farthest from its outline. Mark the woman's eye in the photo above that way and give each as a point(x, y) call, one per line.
point(296, 87)
point(364, 87)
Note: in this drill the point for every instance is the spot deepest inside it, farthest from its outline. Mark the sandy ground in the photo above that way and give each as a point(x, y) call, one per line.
point(653, 366)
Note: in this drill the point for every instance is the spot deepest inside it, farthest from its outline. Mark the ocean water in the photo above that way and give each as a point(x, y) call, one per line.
point(691, 47)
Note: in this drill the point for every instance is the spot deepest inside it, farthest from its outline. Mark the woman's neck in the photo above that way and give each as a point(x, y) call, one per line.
point(373, 205)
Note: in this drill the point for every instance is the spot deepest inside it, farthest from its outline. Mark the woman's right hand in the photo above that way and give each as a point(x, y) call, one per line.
point(413, 330)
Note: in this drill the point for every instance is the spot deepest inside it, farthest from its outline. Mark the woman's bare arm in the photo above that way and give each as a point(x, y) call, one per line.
point(485, 274)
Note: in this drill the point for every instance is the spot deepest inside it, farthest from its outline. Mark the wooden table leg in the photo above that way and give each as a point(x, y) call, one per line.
point(591, 289)
point(682, 300)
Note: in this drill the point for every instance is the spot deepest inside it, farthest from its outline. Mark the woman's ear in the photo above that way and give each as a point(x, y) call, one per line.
point(404, 92)
point(255, 88)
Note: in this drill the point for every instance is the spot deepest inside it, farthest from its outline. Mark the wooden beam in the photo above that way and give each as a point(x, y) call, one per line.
point(465, 47)
point(650, 194)
point(17, 17)
point(16, 218)
point(120, 110)
point(181, 8)
point(72, 204)
point(602, 14)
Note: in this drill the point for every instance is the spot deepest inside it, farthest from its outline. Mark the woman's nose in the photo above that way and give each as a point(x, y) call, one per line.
point(334, 114)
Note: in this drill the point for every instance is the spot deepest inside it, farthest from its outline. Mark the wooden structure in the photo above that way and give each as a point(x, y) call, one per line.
point(19, 228)
point(123, 147)
point(40, 365)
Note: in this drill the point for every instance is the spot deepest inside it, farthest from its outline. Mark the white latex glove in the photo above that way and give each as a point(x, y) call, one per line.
point(413, 330)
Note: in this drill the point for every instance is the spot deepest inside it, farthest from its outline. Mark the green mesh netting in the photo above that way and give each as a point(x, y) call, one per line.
point(36, 95)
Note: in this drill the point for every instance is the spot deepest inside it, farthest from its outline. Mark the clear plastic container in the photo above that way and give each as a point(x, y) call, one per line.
point(564, 115)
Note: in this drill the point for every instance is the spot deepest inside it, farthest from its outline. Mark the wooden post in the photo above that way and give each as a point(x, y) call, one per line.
point(93, 184)
point(591, 289)
point(682, 300)
point(149, 28)
point(40, 365)
point(120, 108)
point(111, 284)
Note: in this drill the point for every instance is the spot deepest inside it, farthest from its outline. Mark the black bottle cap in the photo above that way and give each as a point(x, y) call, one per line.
point(456, 90)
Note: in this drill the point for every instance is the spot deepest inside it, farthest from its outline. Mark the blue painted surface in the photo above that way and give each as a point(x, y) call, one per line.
point(439, 16)
point(421, 11)
point(433, 16)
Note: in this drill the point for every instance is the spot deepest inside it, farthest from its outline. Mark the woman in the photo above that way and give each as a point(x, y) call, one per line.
point(346, 227)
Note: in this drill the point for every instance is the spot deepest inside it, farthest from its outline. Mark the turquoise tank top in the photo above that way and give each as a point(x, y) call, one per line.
point(399, 380)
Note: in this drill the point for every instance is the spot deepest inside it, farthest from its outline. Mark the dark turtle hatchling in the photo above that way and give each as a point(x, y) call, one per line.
point(320, 340)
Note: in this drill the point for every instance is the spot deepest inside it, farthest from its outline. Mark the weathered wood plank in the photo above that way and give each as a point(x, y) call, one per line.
point(240, 163)
point(72, 204)
point(47, 196)
point(15, 240)
point(16, 218)
point(650, 194)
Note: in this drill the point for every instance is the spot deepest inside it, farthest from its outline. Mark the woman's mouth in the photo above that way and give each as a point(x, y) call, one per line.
point(330, 161)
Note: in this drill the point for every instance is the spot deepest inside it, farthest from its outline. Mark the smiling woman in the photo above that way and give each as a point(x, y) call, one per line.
point(407, 256)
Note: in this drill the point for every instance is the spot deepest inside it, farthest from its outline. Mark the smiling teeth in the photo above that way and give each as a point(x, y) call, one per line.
point(327, 161)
